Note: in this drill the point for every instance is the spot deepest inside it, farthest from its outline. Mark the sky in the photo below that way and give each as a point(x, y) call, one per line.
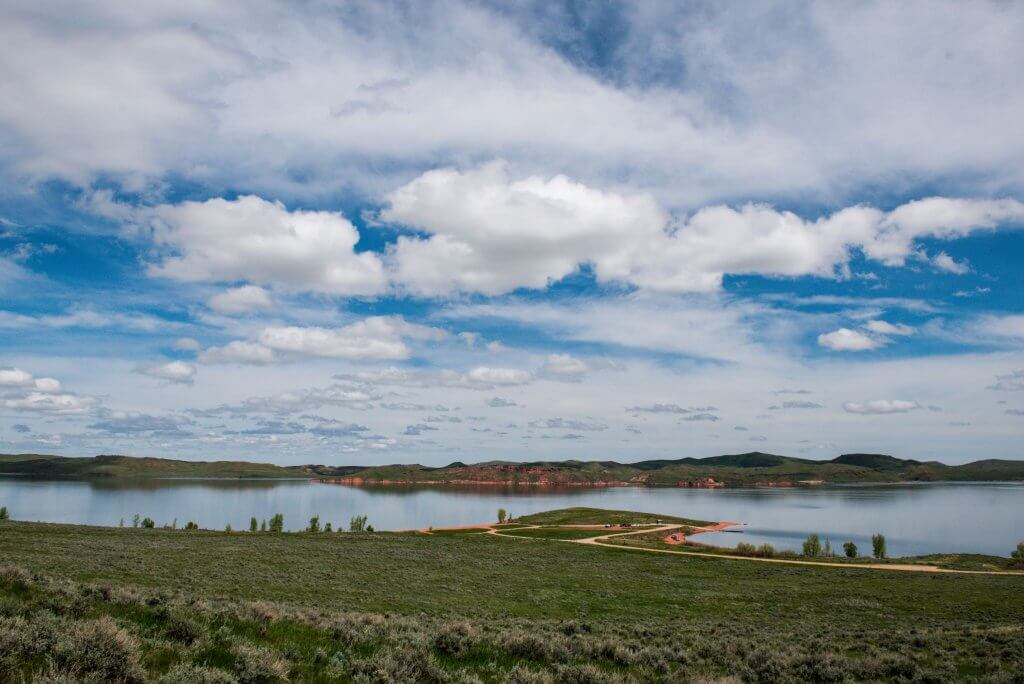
point(375, 232)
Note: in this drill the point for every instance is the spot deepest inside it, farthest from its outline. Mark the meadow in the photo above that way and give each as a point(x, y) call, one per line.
point(81, 603)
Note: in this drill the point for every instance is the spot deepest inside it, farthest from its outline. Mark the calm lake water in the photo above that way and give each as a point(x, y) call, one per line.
point(915, 518)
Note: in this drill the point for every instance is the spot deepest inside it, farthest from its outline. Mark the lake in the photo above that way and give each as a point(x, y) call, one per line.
point(915, 518)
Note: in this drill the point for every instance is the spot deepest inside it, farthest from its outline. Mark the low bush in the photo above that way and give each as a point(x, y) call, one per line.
point(403, 663)
point(455, 638)
point(190, 673)
point(258, 665)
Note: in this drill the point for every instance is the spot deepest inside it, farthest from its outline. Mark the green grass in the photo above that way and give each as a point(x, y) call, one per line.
point(557, 533)
point(395, 607)
point(452, 533)
point(600, 516)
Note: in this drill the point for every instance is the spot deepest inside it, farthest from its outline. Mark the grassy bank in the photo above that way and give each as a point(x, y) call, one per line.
point(453, 608)
point(602, 516)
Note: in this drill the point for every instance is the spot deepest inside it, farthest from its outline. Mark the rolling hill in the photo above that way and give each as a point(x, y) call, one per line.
point(749, 469)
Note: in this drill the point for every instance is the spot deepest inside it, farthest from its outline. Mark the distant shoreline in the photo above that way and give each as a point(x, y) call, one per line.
point(750, 470)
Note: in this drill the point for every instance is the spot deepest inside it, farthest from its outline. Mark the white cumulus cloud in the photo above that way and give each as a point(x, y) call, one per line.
point(375, 337)
point(238, 351)
point(173, 371)
point(239, 300)
point(881, 406)
point(252, 239)
point(564, 367)
point(492, 233)
point(845, 339)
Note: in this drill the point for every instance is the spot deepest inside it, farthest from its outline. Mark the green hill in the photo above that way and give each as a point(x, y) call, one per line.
point(750, 469)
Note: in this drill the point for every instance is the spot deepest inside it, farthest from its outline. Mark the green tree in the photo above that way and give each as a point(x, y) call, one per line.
point(1016, 554)
point(122, 523)
point(812, 546)
point(135, 520)
point(850, 549)
point(191, 526)
point(314, 524)
point(369, 528)
point(4, 513)
point(501, 515)
point(148, 523)
point(827, 551)
point(227, 528)
point(878, 545)
point(357, 524)
point(277, 522)
point(328, 528)
point(263, 525)
point(254, 524)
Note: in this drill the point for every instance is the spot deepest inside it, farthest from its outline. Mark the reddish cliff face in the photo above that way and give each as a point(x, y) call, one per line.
point(701, 483)
point(525, 475)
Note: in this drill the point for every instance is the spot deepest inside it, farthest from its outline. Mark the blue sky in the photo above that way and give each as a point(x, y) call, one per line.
point(463, 231)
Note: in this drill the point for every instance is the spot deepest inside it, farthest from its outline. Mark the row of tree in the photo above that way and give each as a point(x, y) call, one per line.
point(813, 547)
point(276, 524)
point(355, 524)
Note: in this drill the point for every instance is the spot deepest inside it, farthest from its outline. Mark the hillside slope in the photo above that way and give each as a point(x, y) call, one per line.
point(751, 469)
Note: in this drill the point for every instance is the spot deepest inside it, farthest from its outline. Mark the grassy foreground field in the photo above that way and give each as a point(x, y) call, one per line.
point(141, 605)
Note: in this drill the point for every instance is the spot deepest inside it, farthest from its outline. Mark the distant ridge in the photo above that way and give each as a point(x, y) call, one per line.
point(748, 469)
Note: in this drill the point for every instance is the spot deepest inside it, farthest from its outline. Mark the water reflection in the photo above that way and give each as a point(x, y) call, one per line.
point(916, 518)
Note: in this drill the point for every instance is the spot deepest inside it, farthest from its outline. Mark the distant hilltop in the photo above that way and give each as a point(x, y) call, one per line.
point(733, 470)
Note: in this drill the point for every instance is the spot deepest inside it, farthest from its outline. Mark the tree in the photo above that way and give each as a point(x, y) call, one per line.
point(501, 515)
point(1016, 554)
point(277, 522)
point(827, 551)
point(314, 524)
point(328, 527)
point(227, 528)
point(4, 513)
point(878, 545)
point(369, 528)
point(191, 526)
point(263, 525)
point(148, 523)
point(357, 524)
point(254, 524)
point(174, 524)
point(812, 547)
point(850, 549)
point(122, 523)
point(135, 520)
